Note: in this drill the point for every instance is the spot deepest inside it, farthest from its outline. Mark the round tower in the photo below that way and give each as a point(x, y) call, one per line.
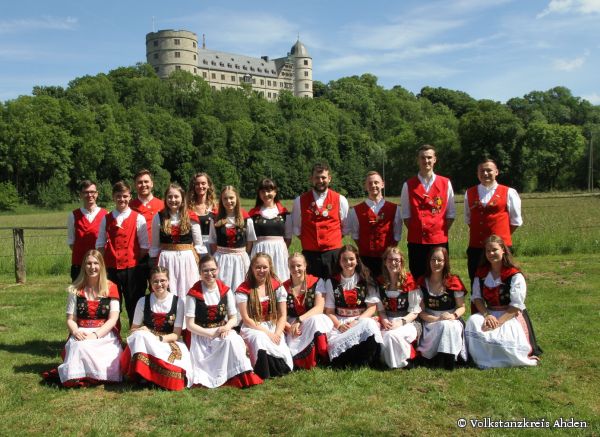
point(170, 50)
point(303, 83)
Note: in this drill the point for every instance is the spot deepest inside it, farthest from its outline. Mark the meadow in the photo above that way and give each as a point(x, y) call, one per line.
point(558, 250)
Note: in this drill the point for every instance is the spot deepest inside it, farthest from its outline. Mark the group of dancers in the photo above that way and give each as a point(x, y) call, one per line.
point(228, 306)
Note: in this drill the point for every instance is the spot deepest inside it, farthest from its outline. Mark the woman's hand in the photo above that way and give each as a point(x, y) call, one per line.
point(447, 316)
point(222, 331)
point(79, 335)
point(398, 323)
point(275, 338)
point(387, 325)
point(490, 323)
point(288, 328)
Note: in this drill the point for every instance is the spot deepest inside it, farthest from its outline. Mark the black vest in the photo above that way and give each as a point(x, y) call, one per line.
point(274, 227)
point(445, 302)
point(150, 318)
point(238, 240)
point(211, 316)
point(338, 294)
point(394, 304)
point(309, 302)
point(168, 239)
point(101, 312)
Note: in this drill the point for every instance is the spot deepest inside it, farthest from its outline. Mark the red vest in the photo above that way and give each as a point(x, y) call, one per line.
point(148, 211)
point(375, 231)
point(122, 246)
point(86, 234)
point(427, 223)
point(321, 228)
point(489, 219)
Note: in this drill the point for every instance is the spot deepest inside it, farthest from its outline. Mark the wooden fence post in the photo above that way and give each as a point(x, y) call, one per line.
point(19, 248)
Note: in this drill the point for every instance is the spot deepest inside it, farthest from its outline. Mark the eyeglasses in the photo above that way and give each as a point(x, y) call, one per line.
point(207, 271)
point(89, 193)
point(395, 260)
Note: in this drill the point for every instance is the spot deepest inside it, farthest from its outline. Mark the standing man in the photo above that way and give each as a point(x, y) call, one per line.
point(428, 210)
point(148, 206)
point(83, 225)
point(123, 241)
point(374, 224)
point(490, 208)
point(318, 219)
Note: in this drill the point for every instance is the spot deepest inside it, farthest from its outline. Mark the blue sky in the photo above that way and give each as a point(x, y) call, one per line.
point(494, 49)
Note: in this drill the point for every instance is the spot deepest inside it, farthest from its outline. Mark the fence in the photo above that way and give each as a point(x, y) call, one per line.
point(44, 248)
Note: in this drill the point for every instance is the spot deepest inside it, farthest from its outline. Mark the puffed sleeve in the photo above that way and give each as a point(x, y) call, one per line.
point(325, 287)
point(372, 295)
point(518, 291)
point(231, 305)
point(196, 237)
point(281, 294)
point(414, 301)
point(476, 290)
point(250, 234)
point(138, 315)
point(71, 303)
point(451, 208)
point(190, 306)
point(241, 297)
point(114, 306)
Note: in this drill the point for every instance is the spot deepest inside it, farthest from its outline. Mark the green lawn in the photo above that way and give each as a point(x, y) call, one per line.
point(563, 302)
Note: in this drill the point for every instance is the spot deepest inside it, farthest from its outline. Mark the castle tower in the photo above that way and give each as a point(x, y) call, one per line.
point(170, 50)
point(303, 83)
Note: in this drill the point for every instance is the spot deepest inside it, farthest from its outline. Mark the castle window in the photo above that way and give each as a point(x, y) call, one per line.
point(178, 54)
point(222, 77)
point(205, 62)
point(176, 41)
point(193, 44)
point(259, 70)
point(213, 63)
point(244, 67)
point(232, 59)
point(251, 68)
point(273, 71)
point(233, 78)
point(156, 69)
point(155, 43)
point(237, 66)
point(213, 75)
point(306, 74)
point(195, 71)
point(247, 78)
point(222, 64)
point(280, 84)
point(178, 67)
point(262, 81)
point(269, 83)
point(274, 95)
point(254, 81)
point(155, 55)
point(204, 74)
point(306, 86)
point(269, 95)
point(306, 62)
point(228, 65)
point(194, 57)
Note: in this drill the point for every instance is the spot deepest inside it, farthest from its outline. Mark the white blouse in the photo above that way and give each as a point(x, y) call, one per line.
point(518, 289)
point(350, 283)
point(158, 306)
point(211, 297)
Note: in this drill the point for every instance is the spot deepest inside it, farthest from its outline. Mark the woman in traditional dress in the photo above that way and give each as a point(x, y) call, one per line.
point(93, 349)
point(350, 302)
point(231, 237)
point(218, 352)
point(262, 304)
point(202, 201)
point(272, 235)
point(177, 241)
point(153, 352)
point(398, 311)
point(307, 327)
point(500, 334)
point(443, 305)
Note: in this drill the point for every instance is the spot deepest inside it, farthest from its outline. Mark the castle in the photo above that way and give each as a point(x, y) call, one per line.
point(170, 50)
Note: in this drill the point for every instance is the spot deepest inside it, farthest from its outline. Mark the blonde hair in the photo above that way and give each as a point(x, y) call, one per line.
point(254, 306)
point(81, 280)
point(221, 219)
point(299, 255)
point(386, 274)
point(185, 225)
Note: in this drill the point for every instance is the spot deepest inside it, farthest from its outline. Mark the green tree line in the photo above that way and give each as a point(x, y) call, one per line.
point(106, 127)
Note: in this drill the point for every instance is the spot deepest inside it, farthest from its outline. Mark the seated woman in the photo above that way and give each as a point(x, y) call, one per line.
point(93, 349)
point(218, 352)
point(350, 303)
point(398, 311)
point(262, 304)
point(153, 353)
point(500, 334)
point(443, 305)
point(307, 326)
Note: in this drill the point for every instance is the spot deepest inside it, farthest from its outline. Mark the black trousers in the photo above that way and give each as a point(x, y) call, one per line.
point(374, 264)
point(130, 289)
point(417, 257)
point(75, 272)
point(321, 264)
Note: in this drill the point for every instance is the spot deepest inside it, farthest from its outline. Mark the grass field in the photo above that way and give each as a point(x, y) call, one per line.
point(563, 301)
point(553, 226)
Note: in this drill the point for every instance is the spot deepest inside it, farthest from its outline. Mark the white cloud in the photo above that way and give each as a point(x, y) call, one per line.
point(576, 6)
point(44, 23)
point(593, 98)
point(569, 64)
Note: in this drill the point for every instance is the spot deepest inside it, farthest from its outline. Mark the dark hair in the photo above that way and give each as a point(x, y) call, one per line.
point(425, 147)
point(320, 167)
point(120, 187)
point(363, 271)
point(266, 184)
point(142, 172)
point(205, 259)
point(507, 257)
point(446, 269)
point(158, 269)
point(486, 160)
point(86, 183)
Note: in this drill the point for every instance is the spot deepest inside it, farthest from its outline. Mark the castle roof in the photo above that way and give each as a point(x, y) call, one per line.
point(231, 62)
point(299, 49)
